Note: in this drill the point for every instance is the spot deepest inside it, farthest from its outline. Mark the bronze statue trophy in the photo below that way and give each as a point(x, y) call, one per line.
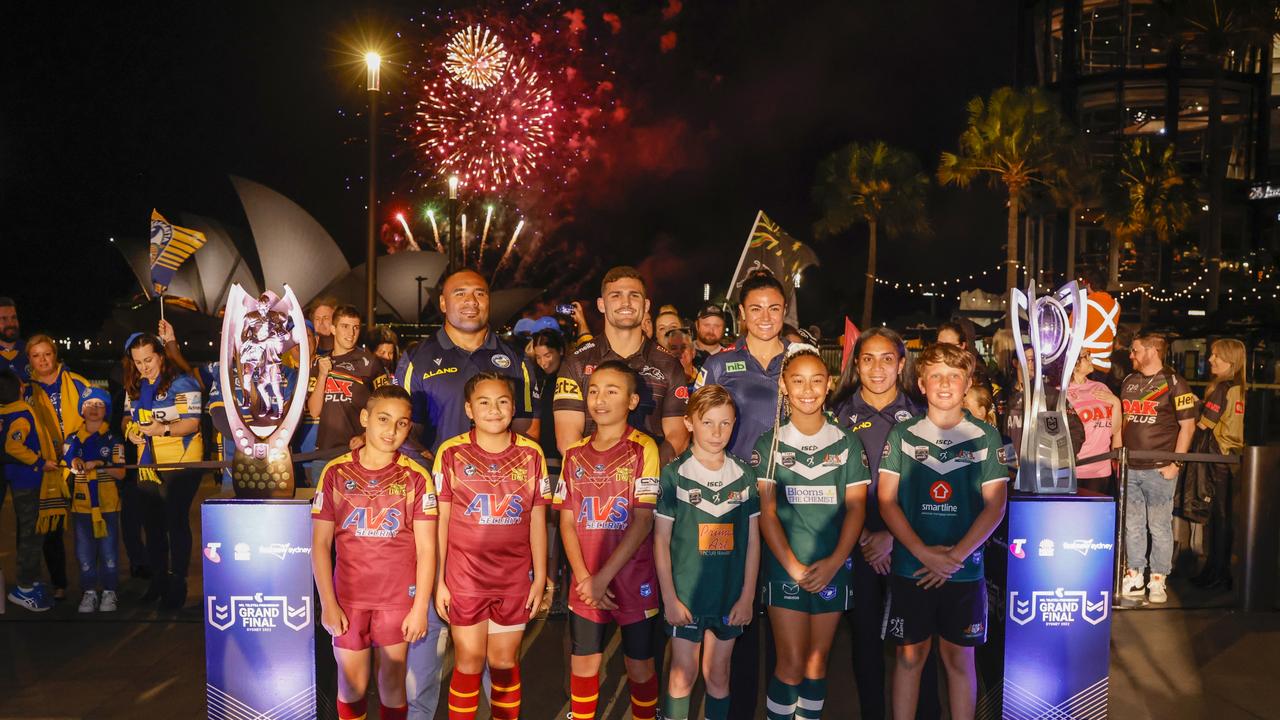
point(1055, 330)
point(257, 334)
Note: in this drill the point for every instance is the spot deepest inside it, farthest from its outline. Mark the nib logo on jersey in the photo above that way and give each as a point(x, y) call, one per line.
point(258, 612)
point(1059, 608)
point(604, 513)
point(939, 492)
point(489, 510)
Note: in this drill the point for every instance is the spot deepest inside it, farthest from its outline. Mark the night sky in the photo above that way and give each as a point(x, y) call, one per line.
point(113, 108)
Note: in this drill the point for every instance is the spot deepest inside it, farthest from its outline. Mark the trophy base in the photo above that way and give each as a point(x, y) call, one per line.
point(255, 478)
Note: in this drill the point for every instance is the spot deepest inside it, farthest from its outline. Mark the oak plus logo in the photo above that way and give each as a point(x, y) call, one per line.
point(258, 612)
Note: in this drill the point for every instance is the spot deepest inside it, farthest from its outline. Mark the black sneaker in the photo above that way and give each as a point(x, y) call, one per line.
point(175, 595)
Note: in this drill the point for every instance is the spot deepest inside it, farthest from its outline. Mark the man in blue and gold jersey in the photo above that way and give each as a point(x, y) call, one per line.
point(13, 352)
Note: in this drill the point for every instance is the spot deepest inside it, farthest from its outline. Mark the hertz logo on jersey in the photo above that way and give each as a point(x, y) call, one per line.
point(385, 523)
point(604, 513)
point(567, 389)
point(488, 510)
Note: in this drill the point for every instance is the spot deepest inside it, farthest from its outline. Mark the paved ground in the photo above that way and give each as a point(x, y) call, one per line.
point(1166, 664)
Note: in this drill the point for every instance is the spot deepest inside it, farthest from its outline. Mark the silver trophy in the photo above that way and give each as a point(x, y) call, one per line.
point(1055, 329)
point(257, 333)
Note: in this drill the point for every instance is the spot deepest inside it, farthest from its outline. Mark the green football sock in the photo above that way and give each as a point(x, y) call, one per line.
point(812, 695)
point(675, 708)
point(780, 700)
point(717, 708)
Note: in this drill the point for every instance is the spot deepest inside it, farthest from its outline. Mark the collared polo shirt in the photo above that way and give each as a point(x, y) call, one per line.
point(436, 372)
point(872, 427)
point(754, 390)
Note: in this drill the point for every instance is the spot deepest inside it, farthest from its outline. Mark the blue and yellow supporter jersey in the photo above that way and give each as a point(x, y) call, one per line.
point(103, 446)
point(24, 464)
point(181, 400)
point(754, 390)
point(61, 398)
point(15, 359)
point(435, 373)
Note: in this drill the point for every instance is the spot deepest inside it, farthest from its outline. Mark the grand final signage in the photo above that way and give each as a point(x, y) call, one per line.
point(259, 618)
point(1058, 629)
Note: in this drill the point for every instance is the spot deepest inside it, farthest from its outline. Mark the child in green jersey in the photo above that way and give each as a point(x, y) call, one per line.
point(707, 551)
point(813, 493)
point(942, 492)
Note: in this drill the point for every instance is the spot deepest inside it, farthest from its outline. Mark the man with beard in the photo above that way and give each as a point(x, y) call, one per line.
point(435, 374)
point(709, 332)
point(660, 413)
point(13, 355)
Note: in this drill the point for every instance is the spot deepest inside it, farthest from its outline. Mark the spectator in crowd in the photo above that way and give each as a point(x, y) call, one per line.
point(1159, 415)
point(435, 374)
point(13, 354)
point(548, 351)
point(1100, 412)
point(386, 345)
point(54, 394)
point(1102, 318)
point(1002, 371)
point(680, 347)
point(344, 379)
point(32, 474)
point(1207, 493)
point(665, 324)
point(95, 504)
point(320, 313)
point(870, 400)
point(960, 331)
point(660, 413)
point(708, 332)
point(163, 421)
point(979, 403)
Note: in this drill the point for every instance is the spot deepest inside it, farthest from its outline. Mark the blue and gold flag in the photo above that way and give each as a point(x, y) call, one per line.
point(771, 249)
point(170, 247)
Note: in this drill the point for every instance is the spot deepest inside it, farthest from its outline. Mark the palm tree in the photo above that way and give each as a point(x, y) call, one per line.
point(1077, 184)
point(875, 184)
point(1014, 138)
point(1148, 200)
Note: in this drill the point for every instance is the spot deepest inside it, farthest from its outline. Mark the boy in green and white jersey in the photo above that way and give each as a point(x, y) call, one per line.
point(813, 493)
point(942, 491)
point(707, 551)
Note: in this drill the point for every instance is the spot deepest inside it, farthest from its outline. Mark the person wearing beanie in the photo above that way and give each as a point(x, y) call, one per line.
point(95, 500)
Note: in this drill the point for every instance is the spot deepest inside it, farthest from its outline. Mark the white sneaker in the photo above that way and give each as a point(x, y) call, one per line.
point(108, 603)
point(89, 603)
point(1155, 589)
point(1131, 585)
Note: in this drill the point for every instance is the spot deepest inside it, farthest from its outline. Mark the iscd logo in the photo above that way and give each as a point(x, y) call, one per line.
point(491, 511)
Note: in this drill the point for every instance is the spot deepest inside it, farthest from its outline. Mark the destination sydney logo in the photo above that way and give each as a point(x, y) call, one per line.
point(259, 613)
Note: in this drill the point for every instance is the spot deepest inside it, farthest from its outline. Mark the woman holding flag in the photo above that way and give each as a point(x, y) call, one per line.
point(163, 421)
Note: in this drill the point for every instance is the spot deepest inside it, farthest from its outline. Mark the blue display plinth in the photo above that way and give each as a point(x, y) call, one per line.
point(1058, 606)
point(259, 630)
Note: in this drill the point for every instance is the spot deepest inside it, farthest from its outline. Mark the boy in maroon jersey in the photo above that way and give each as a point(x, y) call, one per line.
point(607, 491)
point(494, 492)
point(381, 508)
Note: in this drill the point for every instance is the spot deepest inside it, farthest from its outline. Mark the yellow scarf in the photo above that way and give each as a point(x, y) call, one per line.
point(55, 498)
point(69, 416)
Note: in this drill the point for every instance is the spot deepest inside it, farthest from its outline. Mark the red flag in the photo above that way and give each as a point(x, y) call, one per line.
point(851, 334)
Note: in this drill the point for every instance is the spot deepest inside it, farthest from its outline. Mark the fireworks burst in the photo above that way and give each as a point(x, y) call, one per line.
point(476, 57)
point(492, 139)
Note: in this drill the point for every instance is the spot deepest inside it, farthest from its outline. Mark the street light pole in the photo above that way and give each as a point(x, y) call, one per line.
point(420, 279)
point(373, 84)
point(453, 223)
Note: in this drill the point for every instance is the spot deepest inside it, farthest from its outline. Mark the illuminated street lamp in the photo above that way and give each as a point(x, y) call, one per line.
point(373, 83)
point(453, 222)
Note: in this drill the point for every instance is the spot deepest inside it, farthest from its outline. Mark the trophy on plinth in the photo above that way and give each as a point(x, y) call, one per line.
point(1055, 327)
point(257, 334)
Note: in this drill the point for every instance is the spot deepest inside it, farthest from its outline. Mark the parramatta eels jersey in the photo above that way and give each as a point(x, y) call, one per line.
point(940, 478)
point(373, 512)
point(491, 496)
point(711, 513)
point(812, 474)
point(602, 489)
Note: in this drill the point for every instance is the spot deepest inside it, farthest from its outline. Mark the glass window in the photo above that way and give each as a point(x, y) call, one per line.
point(1101, 36)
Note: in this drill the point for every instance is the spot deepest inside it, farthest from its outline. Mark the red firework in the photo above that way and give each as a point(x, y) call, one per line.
point(491, 138)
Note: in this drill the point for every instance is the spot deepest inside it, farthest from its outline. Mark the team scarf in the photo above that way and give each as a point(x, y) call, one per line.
point(91, 480)
point(67, 416)
point(146, 451)
point(55, 498)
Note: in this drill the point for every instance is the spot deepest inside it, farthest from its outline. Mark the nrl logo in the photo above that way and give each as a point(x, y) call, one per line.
point(1059, 608)
point(258, 612)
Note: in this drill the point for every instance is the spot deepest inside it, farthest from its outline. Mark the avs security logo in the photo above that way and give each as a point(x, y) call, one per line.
point(259, 613)
point(489, 510)
point(1059, 608)
point(368, 522)
point(600, 513)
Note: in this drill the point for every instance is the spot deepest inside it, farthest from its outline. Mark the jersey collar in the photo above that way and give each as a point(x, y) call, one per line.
point(446, 342)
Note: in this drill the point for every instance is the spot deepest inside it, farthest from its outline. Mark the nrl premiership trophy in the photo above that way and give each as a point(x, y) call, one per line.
point(1055, 329)
point(256, 335)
